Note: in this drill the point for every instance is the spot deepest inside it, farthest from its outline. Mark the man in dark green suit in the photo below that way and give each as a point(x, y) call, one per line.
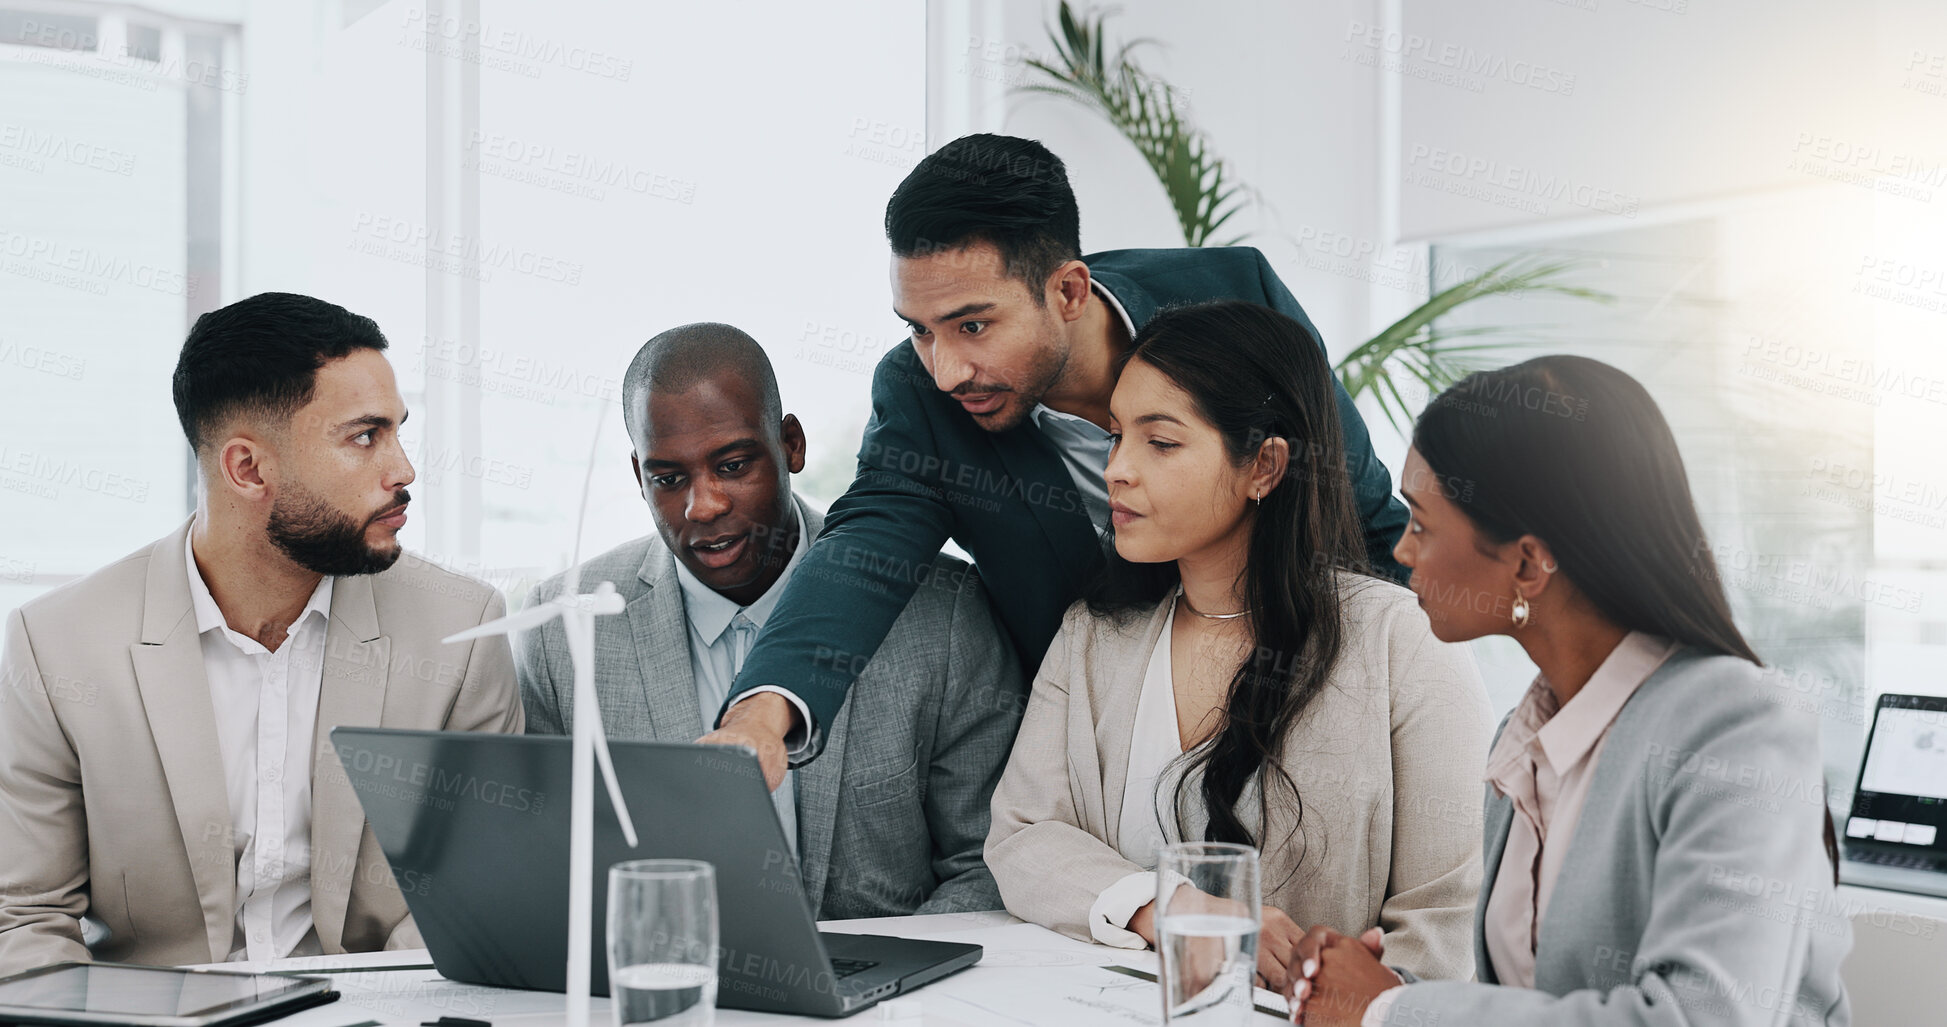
point(990, 428)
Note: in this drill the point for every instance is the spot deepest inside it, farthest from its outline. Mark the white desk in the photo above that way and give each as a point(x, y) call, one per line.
point(1899, 945)
point(1028, 976)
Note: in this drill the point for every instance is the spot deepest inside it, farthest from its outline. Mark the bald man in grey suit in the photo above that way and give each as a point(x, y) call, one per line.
point(891, 821)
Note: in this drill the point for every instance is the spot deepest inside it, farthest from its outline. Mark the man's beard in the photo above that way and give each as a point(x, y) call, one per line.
point(322, 539)
point(1041, 377)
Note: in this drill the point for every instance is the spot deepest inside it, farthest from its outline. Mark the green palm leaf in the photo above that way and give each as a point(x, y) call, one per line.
point(1145, 109)
point(1428, 353)
point(1204, 196)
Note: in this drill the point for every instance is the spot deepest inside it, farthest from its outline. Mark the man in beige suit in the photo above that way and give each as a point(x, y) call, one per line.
point(165, 764)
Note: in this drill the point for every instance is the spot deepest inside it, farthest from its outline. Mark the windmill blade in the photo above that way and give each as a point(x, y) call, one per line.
point(585, 694)
point(535, 615)
point(614, 788)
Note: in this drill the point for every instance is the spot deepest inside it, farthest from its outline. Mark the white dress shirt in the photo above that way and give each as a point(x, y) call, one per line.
point(1084, 448)
point(721, 634)
point(266, 716)
point(1148, 820)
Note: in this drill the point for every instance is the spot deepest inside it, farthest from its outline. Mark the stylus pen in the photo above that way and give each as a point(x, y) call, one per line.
point(355, 970)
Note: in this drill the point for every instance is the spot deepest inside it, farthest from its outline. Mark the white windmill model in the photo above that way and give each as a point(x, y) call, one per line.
point(577, 612)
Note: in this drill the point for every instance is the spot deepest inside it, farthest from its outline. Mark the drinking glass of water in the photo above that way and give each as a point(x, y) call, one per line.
point(662, 942)
point(1207, 920)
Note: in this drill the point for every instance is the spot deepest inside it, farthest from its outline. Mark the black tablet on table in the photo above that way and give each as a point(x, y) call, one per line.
point(153, 996)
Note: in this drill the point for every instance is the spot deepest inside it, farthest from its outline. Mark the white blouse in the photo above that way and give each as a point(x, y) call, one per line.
point(1154, 742)
point(1148, 799)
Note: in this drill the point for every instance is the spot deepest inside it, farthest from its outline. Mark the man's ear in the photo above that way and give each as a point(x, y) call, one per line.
point(241, 463)
point(792, 434)
point(635, 467)
point(1067, 290)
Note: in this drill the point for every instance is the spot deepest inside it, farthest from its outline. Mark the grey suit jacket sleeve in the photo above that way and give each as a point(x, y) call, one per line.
point(974, 731)
point(1726, 937)
point(539, 696)
point(490, 695)
point(43, 824)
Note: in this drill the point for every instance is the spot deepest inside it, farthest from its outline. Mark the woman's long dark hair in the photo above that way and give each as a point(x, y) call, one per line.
point(1576, 453)
point(1255, 374)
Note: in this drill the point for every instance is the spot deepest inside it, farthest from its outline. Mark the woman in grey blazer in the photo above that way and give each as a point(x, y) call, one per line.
point(1657, 844)
point(1231, 680)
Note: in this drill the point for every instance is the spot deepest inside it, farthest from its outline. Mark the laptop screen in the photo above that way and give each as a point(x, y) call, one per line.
point(1902, 795)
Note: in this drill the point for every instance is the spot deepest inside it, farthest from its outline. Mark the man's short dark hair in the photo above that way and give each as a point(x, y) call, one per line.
point(1004, 190)
point(677, 359)
point(261, 356)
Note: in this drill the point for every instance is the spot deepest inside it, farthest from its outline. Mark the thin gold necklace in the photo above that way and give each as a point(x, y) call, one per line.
point(1207, 616)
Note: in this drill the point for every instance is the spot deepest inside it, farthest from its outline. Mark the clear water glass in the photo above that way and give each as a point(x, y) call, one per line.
point(662, 942)
point(1208, 914)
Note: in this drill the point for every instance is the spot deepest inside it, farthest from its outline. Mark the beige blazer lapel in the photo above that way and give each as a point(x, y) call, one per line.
point(1114, 722)
point(175, 689)
point(357, 658)
point(662, 651)
point(819, 785)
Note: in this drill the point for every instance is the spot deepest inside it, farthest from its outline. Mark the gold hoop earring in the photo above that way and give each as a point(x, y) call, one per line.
point(1521, 610)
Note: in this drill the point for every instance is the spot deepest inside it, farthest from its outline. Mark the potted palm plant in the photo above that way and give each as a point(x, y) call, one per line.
point(1205, 195)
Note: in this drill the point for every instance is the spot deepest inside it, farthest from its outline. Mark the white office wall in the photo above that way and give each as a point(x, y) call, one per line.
point(1541, 110)
point(93, 295)
point(618, 170)
point(1271, 85)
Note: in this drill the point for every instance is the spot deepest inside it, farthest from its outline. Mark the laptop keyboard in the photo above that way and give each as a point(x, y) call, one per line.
point(843, 968)
point(1904, 860)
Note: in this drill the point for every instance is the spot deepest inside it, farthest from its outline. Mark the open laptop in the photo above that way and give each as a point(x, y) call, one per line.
point(1896, 837)
point(476, 829)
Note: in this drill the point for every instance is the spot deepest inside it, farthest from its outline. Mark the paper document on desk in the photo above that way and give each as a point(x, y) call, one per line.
point(1030, 975)
point(419, 996)
point(1062, 996)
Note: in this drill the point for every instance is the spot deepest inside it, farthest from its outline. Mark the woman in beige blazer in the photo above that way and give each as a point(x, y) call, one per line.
point(1235, 678)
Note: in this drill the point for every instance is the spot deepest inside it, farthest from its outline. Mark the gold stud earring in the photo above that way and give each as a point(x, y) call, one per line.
point(1521, 610)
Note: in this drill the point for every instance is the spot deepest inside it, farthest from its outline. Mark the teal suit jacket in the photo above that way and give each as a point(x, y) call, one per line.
point(928, 473)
